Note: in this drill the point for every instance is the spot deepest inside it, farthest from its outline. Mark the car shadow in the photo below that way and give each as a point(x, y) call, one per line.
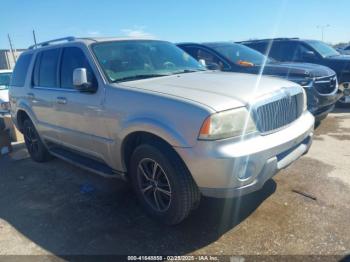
point(50, 205)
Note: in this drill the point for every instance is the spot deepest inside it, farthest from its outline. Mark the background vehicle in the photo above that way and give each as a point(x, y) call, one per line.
point(319, 82)
point(343, 51)
point(146, 111)
point(5, 77)
point(310, 51)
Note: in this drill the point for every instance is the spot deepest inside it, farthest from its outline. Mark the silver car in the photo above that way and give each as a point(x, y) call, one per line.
point(5, 77)
point(145, 111)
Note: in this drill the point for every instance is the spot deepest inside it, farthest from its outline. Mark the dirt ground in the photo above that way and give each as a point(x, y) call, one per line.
point(58, 209)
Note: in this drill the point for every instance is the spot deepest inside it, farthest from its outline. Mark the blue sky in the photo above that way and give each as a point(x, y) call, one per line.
point(191, 20)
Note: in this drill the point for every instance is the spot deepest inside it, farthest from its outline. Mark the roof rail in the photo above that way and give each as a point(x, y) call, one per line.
point(270, 39)
point(46, 43)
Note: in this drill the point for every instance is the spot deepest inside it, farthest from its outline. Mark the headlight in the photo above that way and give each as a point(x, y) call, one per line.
point(5, 106)
point(230, 123)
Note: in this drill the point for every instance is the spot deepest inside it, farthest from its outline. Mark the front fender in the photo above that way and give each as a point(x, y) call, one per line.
point(155, 127)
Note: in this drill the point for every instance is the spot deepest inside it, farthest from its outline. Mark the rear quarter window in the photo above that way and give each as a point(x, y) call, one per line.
point(21, 70)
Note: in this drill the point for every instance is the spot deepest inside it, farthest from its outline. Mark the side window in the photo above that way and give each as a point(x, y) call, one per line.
point(73, 58)
point(283, 51)
point(45, 70)
point(21, 69)
point(261, 47)
point(300, 51)
point(208, 57)
point(192, 51)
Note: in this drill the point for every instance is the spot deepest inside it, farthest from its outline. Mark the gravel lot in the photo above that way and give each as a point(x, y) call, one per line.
point(56, 208)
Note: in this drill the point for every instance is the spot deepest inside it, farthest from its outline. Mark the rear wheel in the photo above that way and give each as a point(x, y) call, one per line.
point(163, 184)
point(35, 146)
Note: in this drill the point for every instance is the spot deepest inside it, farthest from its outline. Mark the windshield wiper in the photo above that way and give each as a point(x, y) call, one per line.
point(188, 71)
point(138, 77)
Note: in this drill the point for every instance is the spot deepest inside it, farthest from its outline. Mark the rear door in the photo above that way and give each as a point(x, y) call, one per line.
point(45, 88)
point(80, 115)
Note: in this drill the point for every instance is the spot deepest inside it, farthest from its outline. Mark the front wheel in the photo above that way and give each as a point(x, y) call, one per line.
point(163, 184)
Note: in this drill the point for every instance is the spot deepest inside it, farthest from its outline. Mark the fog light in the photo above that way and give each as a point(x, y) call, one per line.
point(244, 169)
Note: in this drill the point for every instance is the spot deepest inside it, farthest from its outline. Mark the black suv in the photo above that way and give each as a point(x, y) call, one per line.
point(319, 82)
point(310, 51)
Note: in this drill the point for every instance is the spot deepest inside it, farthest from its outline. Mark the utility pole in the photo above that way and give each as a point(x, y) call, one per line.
point(322, 27)
point(11, 48)
point(34, 37)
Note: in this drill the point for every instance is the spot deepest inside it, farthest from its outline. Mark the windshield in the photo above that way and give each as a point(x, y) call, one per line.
point(240, 54)
point(5, 80)
point(138, 59)
point(323, 49)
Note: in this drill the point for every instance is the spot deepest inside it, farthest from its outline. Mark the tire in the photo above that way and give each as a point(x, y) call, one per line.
point(35, 146)
point(182, 194)
point(2, 124)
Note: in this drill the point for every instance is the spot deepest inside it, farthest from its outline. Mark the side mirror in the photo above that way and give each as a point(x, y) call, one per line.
point(309, 55)
point(80, 81)
point(202, 62)
point(213, 66)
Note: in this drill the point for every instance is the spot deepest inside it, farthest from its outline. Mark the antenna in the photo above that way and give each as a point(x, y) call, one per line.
point(11, 48)
point(34, 37)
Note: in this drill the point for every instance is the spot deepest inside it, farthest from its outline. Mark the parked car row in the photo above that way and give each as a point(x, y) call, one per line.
point(5, 77)
point(309, 51)
point(319, 82)
point(168, 121)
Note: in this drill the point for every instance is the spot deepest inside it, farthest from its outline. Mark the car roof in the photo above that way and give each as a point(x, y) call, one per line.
point(85, 40)
point(210, 44)
point(294, 39)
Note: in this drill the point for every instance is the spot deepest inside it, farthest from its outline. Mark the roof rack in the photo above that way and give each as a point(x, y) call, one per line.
point(46, 43)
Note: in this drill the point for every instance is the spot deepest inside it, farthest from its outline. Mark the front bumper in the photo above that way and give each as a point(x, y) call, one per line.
point(217, 165)
point(320, 105)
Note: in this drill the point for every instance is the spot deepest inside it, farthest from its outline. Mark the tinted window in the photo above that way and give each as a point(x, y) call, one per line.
point(21, 69)
point(283, 51)
point(203, 54)
point(240, 55)
point(261, 47)
point(73, 58)
point(47, 75)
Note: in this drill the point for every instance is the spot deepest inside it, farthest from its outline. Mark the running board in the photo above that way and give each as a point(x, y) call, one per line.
point(86, 163)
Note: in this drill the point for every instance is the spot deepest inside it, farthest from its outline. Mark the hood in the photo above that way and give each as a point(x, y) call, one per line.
point(218, 90)
point(345, 58)
point(295, 70)
point(4, 95)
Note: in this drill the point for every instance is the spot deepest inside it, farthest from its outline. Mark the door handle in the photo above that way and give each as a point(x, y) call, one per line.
point(30, 95)
point(61, 100)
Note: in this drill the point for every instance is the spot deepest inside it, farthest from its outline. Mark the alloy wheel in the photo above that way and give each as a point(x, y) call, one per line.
point(32, 140)
point(154, 184)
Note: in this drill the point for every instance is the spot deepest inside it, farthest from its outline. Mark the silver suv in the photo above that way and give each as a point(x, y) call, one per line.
point(145, 111)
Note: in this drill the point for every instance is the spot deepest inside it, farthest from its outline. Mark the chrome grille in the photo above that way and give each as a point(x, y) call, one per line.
point(279, 113)
point(326, 85)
